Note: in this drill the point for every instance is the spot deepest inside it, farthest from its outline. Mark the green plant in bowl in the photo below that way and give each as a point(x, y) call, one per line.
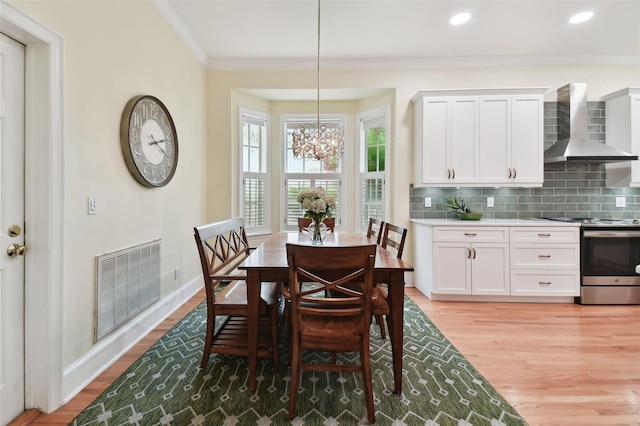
point(457, 205)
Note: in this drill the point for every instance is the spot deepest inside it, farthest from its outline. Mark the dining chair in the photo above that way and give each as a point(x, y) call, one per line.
point(322, 322)
point(222, 246)
point(376, 226)
point(393, 238)
point(304, 222)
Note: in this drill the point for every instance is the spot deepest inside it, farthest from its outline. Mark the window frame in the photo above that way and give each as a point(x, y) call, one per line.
point(247, 115)
point(312, 176)
point(381, 113)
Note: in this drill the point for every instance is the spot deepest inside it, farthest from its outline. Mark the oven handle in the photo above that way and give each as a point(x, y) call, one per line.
point(611, 234)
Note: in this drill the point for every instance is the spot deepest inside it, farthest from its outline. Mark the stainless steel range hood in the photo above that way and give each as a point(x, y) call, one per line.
point(573, 141)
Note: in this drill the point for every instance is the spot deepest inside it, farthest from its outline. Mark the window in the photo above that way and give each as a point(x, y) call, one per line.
point(254, 200)
point(373, 166)
point(305, 173)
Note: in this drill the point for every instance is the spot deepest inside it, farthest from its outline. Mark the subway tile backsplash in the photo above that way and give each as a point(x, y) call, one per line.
point(570, 189)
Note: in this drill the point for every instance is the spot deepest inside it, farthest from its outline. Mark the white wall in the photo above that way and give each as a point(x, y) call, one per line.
point(112, 52)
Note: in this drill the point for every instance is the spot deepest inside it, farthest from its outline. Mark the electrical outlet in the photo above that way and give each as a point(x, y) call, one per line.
point(621, 202)
point(91, 205)
point(176, 273)
point(427, 201)
point(489, 201)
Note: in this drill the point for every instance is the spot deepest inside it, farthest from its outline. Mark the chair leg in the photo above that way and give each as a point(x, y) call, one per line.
point(365, 362)
point(381, 324)
point(274, 339)
point(295, 380)
point(208, 340)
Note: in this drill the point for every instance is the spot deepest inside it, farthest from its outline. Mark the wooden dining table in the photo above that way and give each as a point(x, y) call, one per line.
point(268, 262)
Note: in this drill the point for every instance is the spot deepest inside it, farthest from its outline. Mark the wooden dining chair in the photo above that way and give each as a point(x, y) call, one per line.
point(222, 246)
point(375, 229)
point(393, 238)
point(322, 322)
point(304, 222)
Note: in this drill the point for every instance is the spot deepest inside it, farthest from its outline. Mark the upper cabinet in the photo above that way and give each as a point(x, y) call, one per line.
point(622, 115)
point(479, 137)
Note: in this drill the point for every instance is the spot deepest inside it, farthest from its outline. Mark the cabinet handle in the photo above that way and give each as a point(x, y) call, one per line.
point(544, 283)
point(509, 177)
point(470, 234)
point(448, 173)
point(515, 173)
point(544, 256)
point(468, 253)
point(454, 173)
point(474, 253)
point(544, 235)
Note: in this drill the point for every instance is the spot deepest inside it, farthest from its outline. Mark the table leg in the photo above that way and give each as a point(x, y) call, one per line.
point(253, 302)
point(395, 299)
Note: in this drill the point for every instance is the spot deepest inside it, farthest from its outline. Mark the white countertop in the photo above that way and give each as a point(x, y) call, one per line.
point(492, 222)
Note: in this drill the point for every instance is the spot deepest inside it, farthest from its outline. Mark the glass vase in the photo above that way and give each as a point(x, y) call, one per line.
point(317, 232)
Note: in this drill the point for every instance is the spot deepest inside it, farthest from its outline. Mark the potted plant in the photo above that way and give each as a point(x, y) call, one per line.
point(457, 205)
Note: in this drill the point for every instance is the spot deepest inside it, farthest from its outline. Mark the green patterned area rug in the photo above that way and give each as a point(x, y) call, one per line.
point(167, 387)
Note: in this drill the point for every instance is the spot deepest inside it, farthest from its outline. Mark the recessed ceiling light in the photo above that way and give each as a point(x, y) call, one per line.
point(581, 17)
point(460, 18)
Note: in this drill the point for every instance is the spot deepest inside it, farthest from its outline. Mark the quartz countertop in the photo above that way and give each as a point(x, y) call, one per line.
point(492, 222)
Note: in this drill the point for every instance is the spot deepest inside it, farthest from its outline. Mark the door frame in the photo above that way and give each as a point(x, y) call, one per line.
point(44, 208)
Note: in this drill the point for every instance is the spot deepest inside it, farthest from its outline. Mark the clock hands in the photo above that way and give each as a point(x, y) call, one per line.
point(155, 142)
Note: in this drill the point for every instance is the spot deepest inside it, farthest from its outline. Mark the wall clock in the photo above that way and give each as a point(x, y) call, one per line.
point(149, 141)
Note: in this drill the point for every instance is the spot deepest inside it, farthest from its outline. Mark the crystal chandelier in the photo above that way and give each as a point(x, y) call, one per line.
point(318, 140)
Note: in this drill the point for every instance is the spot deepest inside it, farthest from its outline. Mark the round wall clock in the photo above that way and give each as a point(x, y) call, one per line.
point(149, 141)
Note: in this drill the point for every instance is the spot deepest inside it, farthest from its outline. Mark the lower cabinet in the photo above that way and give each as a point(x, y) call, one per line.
point(498, 260)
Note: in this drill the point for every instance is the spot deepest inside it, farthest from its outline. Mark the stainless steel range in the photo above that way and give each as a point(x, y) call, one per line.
point(609, 260)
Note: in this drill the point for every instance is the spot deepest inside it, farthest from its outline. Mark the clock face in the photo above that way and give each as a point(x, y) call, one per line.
point(149, 141)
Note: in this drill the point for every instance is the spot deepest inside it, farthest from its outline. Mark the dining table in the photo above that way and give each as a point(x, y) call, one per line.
point(268, 263)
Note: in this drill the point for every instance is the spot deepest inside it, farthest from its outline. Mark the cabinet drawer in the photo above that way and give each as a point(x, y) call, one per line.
point(489, 234)
point(545, 234)
point(552, 256)
point(543, 283)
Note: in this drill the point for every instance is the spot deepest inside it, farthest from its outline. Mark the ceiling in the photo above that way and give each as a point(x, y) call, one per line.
point(395, 34)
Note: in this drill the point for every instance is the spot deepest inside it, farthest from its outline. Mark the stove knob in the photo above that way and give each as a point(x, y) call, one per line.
point(635, 221)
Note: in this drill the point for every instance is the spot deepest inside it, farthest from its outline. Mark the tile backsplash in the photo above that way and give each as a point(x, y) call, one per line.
point(569, 189)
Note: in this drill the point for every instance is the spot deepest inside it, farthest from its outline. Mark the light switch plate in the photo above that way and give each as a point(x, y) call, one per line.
point(91, 205)
point(427, 201)
point(621, 202)
point(489, 201)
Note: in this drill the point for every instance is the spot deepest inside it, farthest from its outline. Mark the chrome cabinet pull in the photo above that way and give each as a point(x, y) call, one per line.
point(544, 235)
point(544, 256)
point(470, 234)
point(544, 283)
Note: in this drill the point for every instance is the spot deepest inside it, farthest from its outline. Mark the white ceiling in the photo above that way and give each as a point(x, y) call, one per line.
point(388, 34)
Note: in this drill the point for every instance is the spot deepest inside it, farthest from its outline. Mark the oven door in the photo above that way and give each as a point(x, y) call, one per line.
point(610, 256)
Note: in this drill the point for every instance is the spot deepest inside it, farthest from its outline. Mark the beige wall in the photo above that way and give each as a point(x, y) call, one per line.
point(113, 51)
point(402, 85)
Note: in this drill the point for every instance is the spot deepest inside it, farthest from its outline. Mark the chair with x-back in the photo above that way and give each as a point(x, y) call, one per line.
point(322, 322)
point(393, 238)
point(375, 229)
point(222, 246)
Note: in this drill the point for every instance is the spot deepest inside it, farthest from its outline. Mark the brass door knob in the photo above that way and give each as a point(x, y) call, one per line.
point(16, 250)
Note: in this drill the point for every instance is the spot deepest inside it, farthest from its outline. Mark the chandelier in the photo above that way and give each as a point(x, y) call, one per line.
point(318, 140)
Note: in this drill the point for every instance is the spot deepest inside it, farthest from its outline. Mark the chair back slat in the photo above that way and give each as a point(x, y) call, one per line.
point(304, 222)
point(375, 229)
point(393, 238)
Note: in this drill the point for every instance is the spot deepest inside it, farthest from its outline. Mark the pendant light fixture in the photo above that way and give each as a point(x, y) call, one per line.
point(318, 140)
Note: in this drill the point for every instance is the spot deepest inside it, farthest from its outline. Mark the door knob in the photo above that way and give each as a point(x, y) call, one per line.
point(16, 250)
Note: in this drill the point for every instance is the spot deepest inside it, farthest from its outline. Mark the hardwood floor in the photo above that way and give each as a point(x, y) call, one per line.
point(557, 364)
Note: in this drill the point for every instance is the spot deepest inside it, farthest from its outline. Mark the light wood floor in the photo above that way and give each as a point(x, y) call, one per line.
point(557, 364)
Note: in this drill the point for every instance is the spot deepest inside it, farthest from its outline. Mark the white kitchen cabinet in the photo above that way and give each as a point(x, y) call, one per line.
point(479, 137)
point(622, 114)
point(469, 261)
point(498, 260)
point(544, 261)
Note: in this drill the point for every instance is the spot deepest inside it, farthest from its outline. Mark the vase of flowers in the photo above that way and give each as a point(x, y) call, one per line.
point(317, 206)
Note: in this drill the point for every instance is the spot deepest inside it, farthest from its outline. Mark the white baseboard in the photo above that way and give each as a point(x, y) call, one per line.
point(107, 351)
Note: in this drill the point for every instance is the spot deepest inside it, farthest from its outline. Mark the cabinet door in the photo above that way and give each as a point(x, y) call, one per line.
point(463, 141)
point(527, 142)
point(490, 269)
point(635, 137)
point(435, 140)
point(451, 268)
point(493, 140)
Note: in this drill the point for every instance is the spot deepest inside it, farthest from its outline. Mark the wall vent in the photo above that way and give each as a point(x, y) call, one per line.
point(128, 281)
